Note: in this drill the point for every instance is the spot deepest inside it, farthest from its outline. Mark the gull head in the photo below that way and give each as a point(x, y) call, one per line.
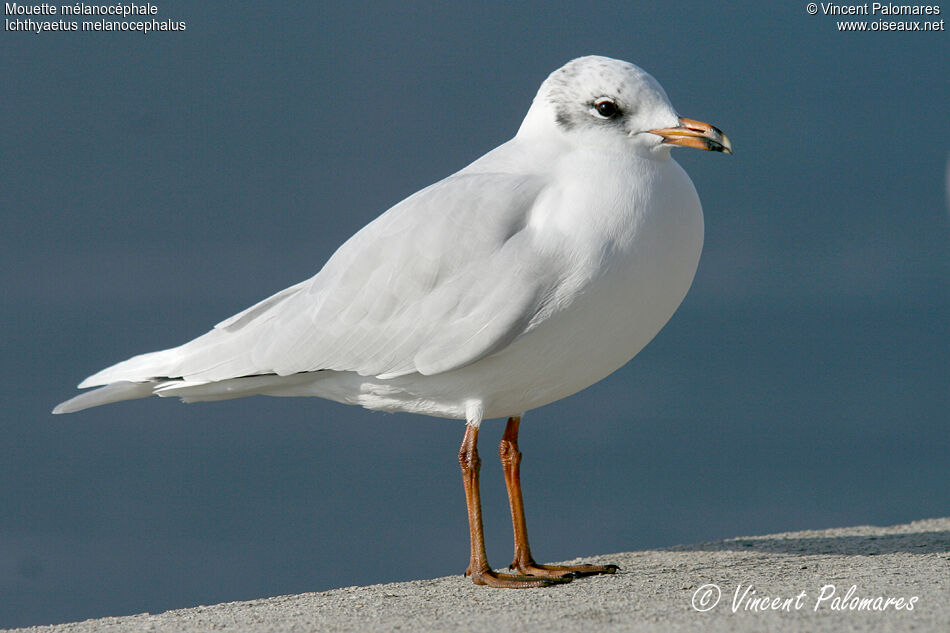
point(601, 101)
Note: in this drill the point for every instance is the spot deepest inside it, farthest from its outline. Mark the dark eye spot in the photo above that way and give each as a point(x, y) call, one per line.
point(607, 108)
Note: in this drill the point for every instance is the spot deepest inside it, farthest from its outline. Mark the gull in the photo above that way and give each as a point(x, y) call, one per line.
point(534, 272)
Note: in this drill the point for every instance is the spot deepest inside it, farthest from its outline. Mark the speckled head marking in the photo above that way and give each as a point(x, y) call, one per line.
point(599, 93)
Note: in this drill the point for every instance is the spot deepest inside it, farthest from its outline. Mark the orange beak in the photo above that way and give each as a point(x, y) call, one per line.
point(696, 134)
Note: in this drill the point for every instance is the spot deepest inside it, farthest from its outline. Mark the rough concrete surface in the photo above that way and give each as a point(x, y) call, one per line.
point(655, 591)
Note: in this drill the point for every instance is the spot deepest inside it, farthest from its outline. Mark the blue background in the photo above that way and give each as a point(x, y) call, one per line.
point(153, 185)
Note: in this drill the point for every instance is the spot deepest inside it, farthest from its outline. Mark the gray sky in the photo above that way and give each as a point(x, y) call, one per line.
point(152, 185)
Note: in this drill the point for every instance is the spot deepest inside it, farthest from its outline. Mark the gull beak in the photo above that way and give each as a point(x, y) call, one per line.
point(696, 134)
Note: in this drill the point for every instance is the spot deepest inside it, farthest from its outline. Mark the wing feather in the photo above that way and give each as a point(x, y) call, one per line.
point(435, 283)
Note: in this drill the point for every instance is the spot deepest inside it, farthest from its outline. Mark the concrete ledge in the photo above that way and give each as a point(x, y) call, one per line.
point(655, 591)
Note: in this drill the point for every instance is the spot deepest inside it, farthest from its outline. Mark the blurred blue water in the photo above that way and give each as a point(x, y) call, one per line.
point(152, 186)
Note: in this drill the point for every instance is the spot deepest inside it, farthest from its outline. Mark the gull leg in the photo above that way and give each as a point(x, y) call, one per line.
point(478, 567)
point(523, 562)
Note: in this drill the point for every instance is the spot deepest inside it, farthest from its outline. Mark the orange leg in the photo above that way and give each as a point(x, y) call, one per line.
point(478, 567)
point(523, 562)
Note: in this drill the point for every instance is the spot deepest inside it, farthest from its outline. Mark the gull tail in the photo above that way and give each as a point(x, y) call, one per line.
point(115, 392)
point(180, 370)
point(137, 377)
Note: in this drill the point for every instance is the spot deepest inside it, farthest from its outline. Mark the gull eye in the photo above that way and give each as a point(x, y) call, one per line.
point(606, 108)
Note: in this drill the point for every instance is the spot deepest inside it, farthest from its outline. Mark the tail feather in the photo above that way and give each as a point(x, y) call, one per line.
point(115, 392)
point(183, 366)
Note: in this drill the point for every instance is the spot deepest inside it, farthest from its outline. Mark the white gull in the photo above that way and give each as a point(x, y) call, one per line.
point(532, 273)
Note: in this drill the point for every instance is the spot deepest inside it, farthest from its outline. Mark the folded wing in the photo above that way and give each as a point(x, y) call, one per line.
point(439, 281)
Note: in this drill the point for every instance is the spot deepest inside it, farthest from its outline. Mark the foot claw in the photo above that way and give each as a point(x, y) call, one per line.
point(560, 571)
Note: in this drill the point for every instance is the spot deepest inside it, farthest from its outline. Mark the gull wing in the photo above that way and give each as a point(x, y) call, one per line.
point(439, 281)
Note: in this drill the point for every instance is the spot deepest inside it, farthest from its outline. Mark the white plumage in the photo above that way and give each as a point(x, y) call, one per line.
point(525, 277)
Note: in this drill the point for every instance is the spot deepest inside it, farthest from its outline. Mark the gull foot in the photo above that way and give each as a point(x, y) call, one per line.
point(557, 571)
point(490, 578)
